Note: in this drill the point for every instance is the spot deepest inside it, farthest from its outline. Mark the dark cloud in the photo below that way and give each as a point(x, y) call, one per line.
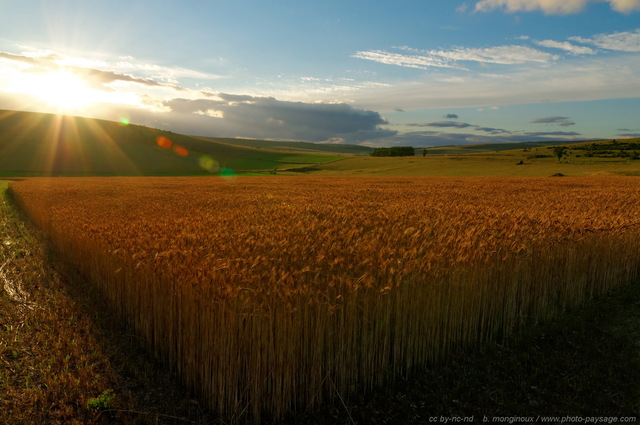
point(186, 106)
point(629, 135)
point(552, 133)
point(492, 130)
point(451, 116)
point(452, 124)
point(236, 97)
point(562, 121)
point(267, 117)
point(437, 138)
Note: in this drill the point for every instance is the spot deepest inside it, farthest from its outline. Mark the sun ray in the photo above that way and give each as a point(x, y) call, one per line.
point(17, 129)
point(48, 154)
point(121, 164)
point(66, 145)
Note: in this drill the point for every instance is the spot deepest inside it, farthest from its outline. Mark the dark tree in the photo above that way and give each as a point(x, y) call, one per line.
point(559, 151)
point(394, 151)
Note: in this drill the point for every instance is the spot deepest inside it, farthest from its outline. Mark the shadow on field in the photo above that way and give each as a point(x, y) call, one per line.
point(585, 363)
point(63, 359)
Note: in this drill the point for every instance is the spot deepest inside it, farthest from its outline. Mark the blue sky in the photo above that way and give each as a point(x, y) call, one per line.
point(408, 72)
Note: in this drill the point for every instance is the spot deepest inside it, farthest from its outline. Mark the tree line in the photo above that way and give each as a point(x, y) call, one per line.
point(394, 151)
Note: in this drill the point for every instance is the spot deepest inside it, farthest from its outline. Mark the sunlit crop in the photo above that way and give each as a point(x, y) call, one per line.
point(268, 295)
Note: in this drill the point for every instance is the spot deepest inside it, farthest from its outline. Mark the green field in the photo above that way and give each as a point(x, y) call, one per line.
point(33, 144)
point(488, 147)
point(530, 162)
point(298, 146)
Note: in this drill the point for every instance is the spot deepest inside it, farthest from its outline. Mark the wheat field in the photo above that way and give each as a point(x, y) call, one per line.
point(272, 295)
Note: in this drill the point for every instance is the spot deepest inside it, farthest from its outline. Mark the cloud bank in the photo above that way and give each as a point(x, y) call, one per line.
point(437, 138)
point(462, 58)
point(553, 7)
point(231, 115)
point(455, 124)
point(602, 66)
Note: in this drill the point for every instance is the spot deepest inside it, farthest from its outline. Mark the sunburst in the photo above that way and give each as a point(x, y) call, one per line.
point(63, 90)
point(59, 89)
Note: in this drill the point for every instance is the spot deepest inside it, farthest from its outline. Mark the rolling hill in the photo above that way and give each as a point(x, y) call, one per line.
point(36, 144)
point(528, 160)
point(490, 147)
point(299, 146)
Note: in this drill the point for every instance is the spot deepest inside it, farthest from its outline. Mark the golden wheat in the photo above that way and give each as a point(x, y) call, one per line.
point(268, 295)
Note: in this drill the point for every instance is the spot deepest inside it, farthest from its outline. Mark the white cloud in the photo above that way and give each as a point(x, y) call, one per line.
point(625, 6)
point(462, 8)
point(168, 75)
point(553, 7)
point(547, 6)
point(576, 79)
point(620, 41)
point(505, 55)
point(213, 113)
point(565, 45)
point(399, 59)
point(533, 75)
point(123, 64)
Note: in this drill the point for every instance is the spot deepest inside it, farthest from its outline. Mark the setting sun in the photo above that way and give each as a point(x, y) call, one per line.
point(63, 90)
point(60, 89)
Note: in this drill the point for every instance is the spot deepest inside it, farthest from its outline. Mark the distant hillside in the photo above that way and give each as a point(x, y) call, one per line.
point(298, 146)
point(489, 147)
point(34, 144)
point(612, 157)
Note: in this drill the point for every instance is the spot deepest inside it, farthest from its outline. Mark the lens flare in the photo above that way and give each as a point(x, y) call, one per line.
point(209, 164)
point(180, 150)
point(227, 173)
point(164, 142)
point(124, 121)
